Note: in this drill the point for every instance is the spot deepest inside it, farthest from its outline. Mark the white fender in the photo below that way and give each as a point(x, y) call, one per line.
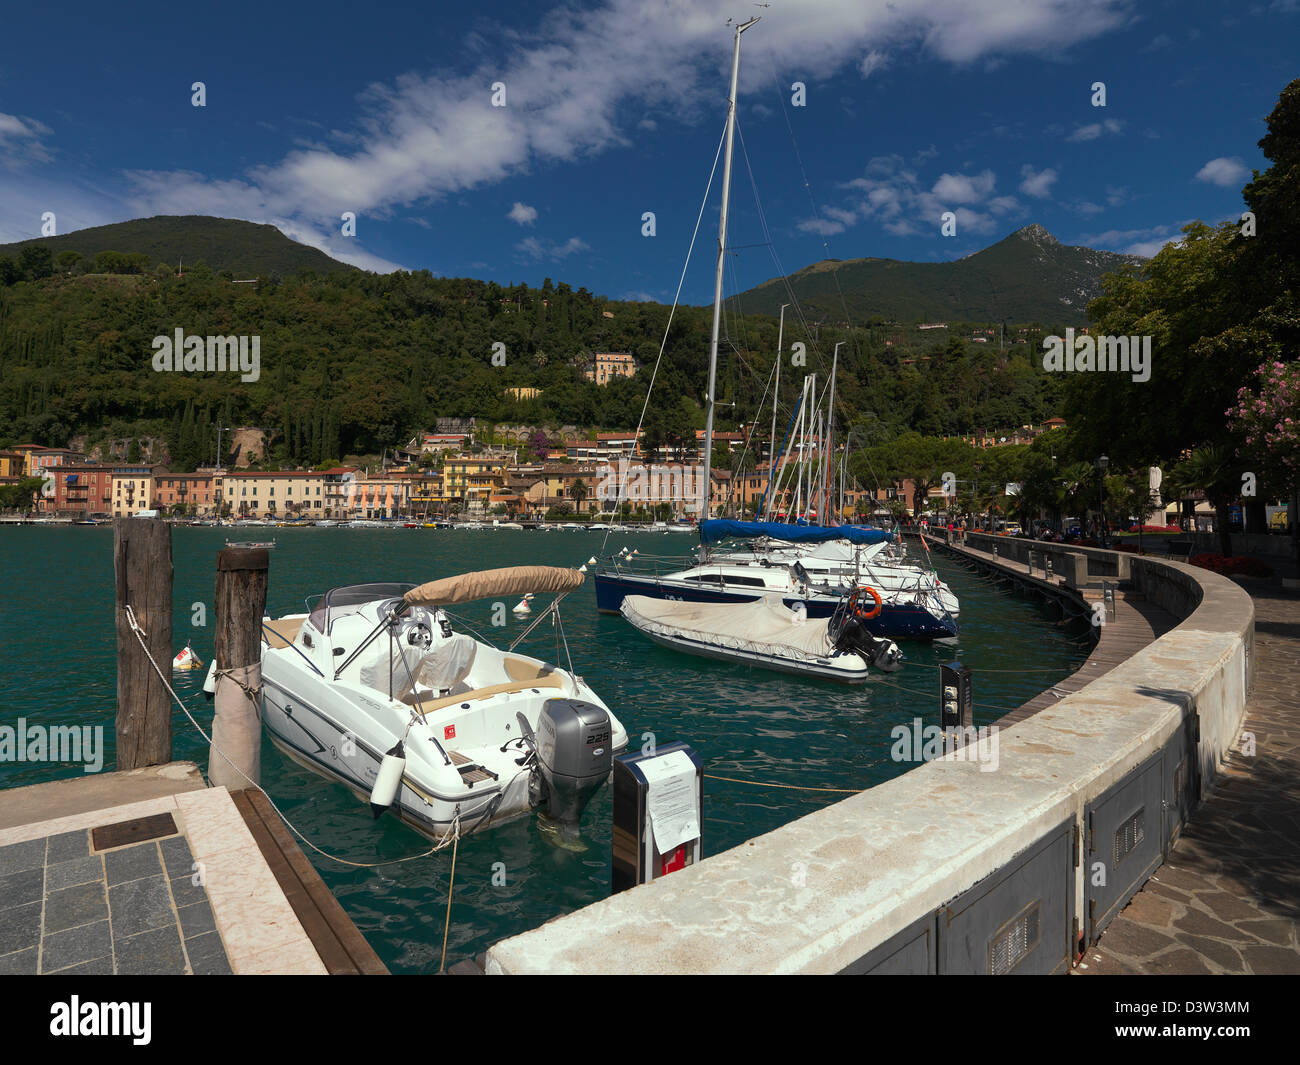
point(389, 779)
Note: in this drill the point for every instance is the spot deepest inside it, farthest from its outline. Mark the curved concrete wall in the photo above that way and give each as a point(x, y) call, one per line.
point(821, 893)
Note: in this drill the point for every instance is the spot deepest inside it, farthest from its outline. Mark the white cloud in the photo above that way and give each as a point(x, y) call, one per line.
point(421, 138)
point(536, 249)
point(75, 206)
point(522, 214)
point(871, 62)
point(961, 188)
point(891, 194)
point(1145, 242)
point(20, 141)
point(1037, 183)
point(1223, 172)
point(822, 227)
point(1148, 248)
point(1094, 130)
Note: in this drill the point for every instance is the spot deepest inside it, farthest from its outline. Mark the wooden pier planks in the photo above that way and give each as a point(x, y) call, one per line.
point(341, 946)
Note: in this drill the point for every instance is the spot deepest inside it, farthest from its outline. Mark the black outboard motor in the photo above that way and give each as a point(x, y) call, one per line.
point(850, 635)
point(574, 757)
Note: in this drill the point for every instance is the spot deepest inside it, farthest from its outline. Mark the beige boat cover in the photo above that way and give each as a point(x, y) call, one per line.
point(510, 580)
point(765, 625)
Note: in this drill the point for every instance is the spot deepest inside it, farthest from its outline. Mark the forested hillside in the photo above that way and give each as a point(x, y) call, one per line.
point(354, 362)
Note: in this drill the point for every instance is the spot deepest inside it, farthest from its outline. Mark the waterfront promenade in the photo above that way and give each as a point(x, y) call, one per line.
point(1228, 898)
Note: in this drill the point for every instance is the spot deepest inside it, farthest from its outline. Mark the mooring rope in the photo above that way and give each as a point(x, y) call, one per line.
point(789, 787)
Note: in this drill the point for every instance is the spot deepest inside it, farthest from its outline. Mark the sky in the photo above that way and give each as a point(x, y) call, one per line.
point(615, 108)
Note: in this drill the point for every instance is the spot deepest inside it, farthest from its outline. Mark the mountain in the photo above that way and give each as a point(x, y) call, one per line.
point(1030, 276)
point(245, 248)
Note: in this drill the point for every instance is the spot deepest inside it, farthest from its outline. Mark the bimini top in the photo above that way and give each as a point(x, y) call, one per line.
point(511, 580)
point(719, 529)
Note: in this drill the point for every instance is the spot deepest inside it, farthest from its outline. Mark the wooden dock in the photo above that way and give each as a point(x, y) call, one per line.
point(1134, 624)
point(341, 946)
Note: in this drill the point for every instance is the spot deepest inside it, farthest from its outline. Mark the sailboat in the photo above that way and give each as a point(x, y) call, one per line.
point(915, 610)
point(677, 609)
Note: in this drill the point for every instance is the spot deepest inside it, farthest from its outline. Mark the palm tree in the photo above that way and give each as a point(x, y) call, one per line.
point(1214, 471)
point(579, 492)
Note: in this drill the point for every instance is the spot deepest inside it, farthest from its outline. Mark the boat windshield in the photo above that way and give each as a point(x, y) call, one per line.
point(346, 600)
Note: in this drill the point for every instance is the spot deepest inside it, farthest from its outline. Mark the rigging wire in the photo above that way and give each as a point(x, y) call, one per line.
point(636, 439)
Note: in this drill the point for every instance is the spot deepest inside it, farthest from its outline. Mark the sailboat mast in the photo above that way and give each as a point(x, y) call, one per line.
point(830, 429)
point(722, 253)
point(776, 394)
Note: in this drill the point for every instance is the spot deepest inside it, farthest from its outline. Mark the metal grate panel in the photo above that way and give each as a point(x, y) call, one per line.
point(1129, 835)
point(1015, 939)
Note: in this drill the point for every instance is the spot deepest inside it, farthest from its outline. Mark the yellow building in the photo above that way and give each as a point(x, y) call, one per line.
point(281, 494)
point(13, 464)
point(611, 364)
point(473, 479)
point(133, 490)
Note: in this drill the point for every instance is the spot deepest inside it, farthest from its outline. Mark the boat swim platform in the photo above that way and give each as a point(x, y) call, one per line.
point(150, 872)
point(1135, 624)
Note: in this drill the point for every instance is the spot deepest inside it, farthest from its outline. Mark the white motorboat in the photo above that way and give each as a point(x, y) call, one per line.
point(768, 634)
point(912, 609)
point(376, 674)
point(836, 562)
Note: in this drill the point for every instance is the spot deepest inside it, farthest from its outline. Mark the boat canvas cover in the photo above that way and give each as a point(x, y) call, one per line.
point(720, 529)
point(510, 580)
point(764, 626)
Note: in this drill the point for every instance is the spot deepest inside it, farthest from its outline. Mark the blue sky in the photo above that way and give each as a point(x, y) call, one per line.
point(615, 107)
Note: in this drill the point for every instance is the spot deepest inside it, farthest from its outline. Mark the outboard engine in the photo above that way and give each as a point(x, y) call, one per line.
point(851, 636)
point(574, 757)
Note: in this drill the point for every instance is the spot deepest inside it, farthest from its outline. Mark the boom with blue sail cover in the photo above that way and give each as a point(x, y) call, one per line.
point(716, 529)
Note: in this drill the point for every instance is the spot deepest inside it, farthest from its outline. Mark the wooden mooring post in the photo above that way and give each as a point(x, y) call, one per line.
point(235, 760)
point(142, 566)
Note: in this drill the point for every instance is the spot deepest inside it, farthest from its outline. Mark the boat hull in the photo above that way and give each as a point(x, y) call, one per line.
point(318, 741)
point(895, 620)
point(758, 660)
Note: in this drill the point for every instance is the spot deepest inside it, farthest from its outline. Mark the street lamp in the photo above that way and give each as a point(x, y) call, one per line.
point(1102, 463)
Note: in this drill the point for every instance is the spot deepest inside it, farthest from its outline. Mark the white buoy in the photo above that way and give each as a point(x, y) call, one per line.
point(522, 606)
point(582, 569)
point(186, 659)
point(210, 681)
point(591, 561)
point(388, 780)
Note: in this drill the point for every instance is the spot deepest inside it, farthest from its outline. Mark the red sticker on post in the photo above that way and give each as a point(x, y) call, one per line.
point(672, 862)
point(449, 732)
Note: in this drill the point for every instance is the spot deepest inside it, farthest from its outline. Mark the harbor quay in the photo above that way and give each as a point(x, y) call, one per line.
point(1168, 748)
point(947, 869)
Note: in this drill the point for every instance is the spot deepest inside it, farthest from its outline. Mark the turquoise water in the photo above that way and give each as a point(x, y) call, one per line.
point(58, 646)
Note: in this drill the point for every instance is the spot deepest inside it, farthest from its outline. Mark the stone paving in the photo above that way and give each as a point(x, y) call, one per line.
point(67, 909)
point(1228, 898)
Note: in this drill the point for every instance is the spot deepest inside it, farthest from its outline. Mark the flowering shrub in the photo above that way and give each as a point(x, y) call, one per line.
point(1270, 421)
point(1235, 566)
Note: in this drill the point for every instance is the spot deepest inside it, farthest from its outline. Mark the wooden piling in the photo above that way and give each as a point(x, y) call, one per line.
point(237, 719)
point(142, 566)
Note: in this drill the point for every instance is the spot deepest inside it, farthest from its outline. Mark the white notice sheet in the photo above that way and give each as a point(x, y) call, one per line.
point(672, 800)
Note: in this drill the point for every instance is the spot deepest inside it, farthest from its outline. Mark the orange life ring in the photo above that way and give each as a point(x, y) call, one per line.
point(857, 601)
